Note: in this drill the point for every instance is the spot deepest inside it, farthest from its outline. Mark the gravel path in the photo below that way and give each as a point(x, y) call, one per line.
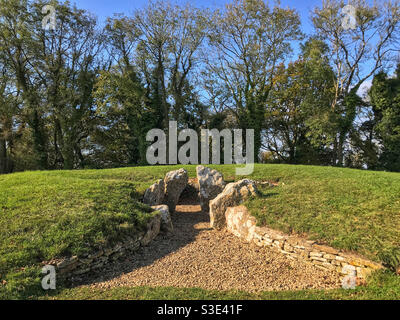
point(197, 256)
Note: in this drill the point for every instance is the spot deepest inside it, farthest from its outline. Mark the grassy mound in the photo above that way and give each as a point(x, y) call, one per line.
point(348, 209)
point(44, 215)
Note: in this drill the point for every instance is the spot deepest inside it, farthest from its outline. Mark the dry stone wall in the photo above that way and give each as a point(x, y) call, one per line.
point(242, 224)
point(162, 196)
point(75, 266)
point(225, 211)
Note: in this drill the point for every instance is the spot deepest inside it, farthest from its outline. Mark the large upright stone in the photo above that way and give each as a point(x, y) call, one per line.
point(154, 195)
point(211, 184)
point(175, 182)
point(153, 229)
point(166, 221)
point(233, 195)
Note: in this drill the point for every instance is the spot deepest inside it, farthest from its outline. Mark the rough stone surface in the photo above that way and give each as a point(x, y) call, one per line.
point(153, 229)
point(211, 184)
point(175, 182)
point(154, 195)
point(233, 195)
point(198, 256)
point(72, 267)
point(166, 222)
point(240, 223)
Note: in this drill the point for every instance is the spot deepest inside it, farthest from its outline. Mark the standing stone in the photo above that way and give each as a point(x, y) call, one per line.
point(154, 195)
point(175, 182)
point(153, 229)
point(233, 195)
point(211, 184)
point(166, 222)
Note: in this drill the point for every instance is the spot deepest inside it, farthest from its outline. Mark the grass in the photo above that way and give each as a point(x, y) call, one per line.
point(383, 286)
point(55, 214)
point(348, 209)
point(44, 215)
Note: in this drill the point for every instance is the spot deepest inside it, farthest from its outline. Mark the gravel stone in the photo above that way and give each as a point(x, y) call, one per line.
point(199, 256)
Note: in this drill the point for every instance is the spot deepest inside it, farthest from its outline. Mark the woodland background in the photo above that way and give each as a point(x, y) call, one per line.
point(85, 95)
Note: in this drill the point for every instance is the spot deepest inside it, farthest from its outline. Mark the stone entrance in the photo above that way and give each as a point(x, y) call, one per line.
point(196, 255)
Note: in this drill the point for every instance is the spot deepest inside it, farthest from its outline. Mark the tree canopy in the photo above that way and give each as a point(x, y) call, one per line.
point(84, 95)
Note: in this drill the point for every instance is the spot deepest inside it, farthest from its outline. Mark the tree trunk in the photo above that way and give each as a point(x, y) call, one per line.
point(39, 141)
point(68, 154)
point(80, 156)
point(3, 157)
point(335, 152)
point(292, 159)
point(340, 151)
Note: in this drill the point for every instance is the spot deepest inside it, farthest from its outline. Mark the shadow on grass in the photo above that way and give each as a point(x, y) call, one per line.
point(266, 195)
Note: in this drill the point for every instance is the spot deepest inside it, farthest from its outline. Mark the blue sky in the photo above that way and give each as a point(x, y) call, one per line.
point(105, 8)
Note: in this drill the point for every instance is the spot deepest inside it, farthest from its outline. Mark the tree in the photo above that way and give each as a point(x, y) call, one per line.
point(296, 102)
point(167, 54)
point(249, 40)
point(127, 109)
point(71, 61)
point(54, 72)
point(122, 106)
point(18, 24)
point(8, 113)
point(385, 101)
point(356, 54)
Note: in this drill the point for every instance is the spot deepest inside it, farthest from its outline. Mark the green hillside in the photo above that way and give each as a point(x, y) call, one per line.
point(44, 215)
